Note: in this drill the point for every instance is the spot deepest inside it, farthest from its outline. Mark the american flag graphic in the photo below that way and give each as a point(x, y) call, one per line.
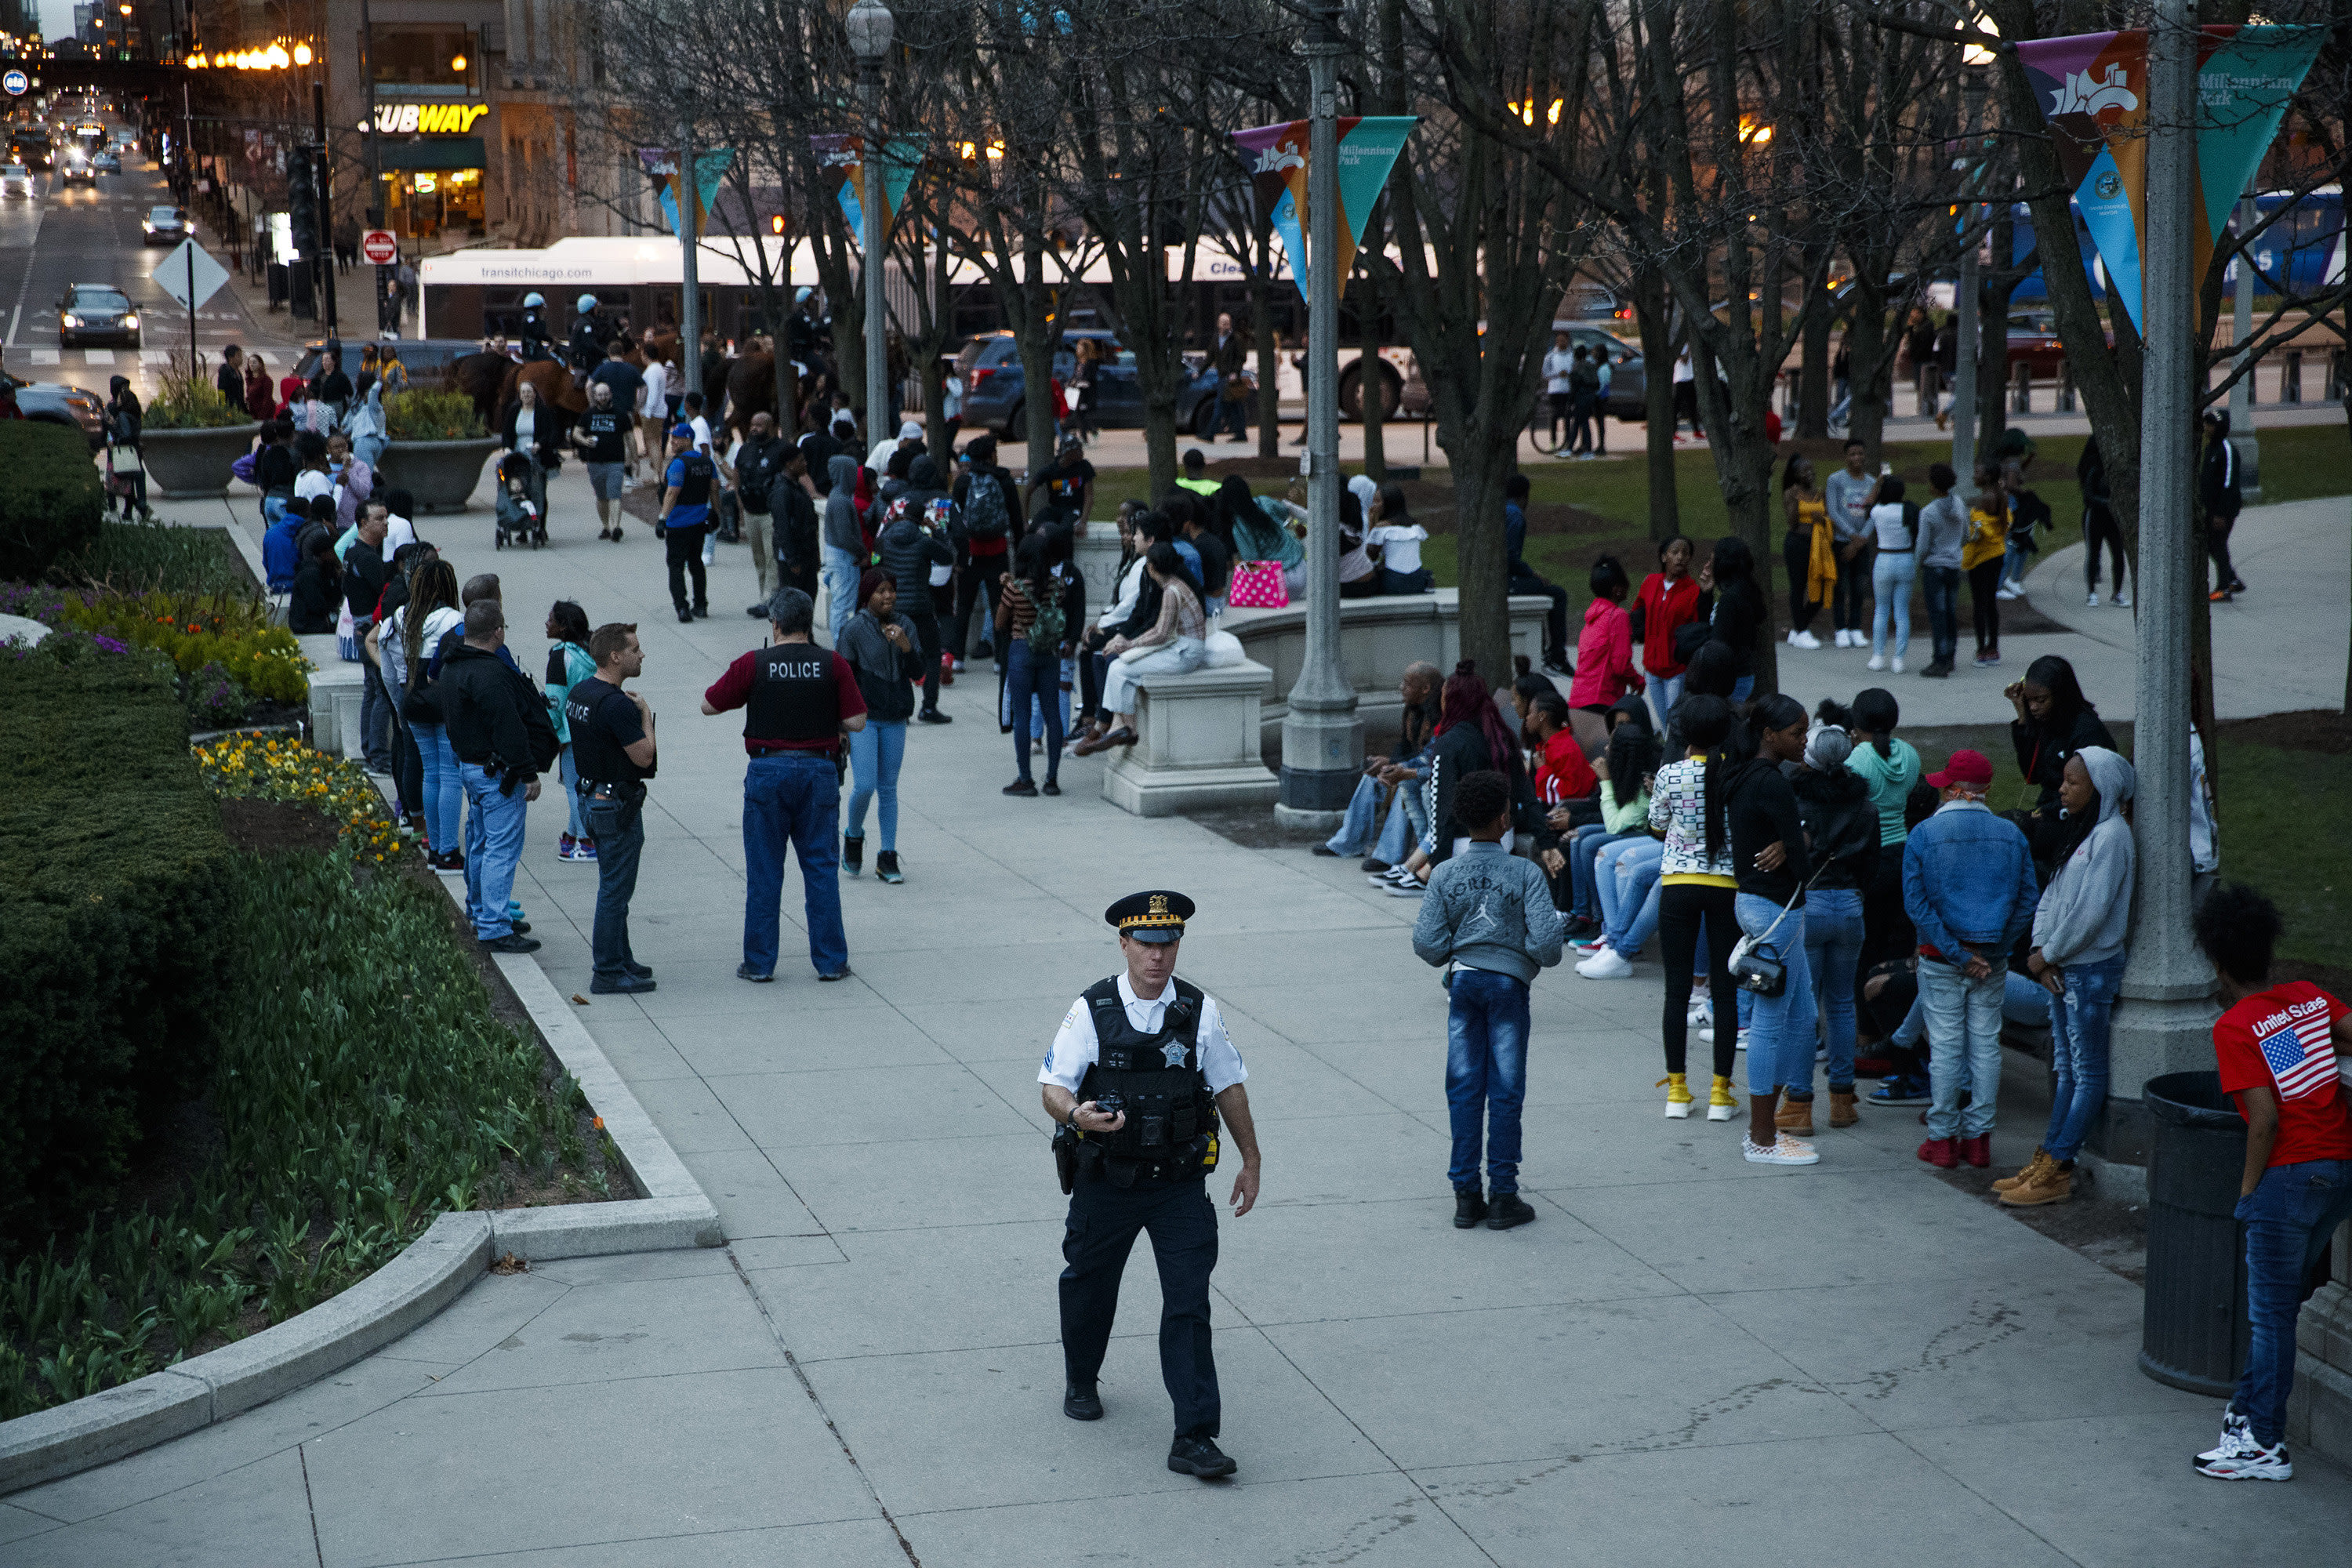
point(2302, 1060)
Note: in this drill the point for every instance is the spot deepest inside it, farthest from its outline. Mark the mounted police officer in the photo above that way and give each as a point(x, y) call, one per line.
point(1137, 1078)
point(588, 336)
point(534, 328)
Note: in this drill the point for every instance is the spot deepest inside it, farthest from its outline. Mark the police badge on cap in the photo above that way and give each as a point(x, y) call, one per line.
point(1157, 916)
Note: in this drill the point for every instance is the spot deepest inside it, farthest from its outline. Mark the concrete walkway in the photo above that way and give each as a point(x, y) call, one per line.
point(1687, 1360)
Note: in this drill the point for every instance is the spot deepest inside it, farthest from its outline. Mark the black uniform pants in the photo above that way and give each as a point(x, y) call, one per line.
point(1103, 1223)
point(685, 556)
point(981, 582)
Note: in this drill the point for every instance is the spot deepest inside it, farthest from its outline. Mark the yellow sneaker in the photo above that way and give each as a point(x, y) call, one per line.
point(1678, 1095)
point(1720, 1102)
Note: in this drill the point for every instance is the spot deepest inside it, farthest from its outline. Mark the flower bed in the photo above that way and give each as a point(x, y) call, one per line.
point(230, 631)
point(277, 767)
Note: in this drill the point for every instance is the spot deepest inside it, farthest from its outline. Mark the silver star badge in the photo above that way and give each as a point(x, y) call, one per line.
point(1174, 1054)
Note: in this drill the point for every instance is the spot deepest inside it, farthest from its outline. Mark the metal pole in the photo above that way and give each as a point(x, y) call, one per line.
point(324, 264)
point(688, 201)
point(1322, 738)
point(2242, 331)
point(2165, 1022)
point(1964, 309)
point(877, 297)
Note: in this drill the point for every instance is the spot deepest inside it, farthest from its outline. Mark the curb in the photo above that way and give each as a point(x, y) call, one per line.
point(430, 1272)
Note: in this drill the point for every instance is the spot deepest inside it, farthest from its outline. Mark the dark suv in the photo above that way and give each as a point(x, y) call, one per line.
point(995, 394)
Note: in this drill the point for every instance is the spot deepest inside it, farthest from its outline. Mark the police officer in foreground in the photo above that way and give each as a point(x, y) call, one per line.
point(612, 752)
point(1137, 1079)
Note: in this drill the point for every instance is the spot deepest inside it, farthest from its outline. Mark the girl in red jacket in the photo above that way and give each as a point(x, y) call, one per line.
point(1668, 601)
point(1604, 655)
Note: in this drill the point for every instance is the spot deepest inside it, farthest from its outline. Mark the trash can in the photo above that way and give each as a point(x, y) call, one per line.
point(2193, 1333)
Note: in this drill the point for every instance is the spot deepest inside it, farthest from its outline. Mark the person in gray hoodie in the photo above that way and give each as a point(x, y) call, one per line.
point(842, 545)
point(1943, 527)
point(1488, 918)
point(2078, 956)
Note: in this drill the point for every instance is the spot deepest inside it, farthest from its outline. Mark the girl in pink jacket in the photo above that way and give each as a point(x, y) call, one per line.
point(1604, 649)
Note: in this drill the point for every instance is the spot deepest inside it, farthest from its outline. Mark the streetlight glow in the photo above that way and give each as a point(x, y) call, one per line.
point(301, 54)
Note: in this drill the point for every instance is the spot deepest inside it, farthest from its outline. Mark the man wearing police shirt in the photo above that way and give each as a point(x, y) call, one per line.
point(612, 752)
point(1136, 1077)
point(690, 483)
point(798, 701)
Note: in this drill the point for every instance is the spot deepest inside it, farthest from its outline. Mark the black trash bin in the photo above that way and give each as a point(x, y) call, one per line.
point(2193, 1333)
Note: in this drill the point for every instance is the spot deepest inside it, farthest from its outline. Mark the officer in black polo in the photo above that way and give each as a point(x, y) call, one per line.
point(1138, 1077)
point(613, 754)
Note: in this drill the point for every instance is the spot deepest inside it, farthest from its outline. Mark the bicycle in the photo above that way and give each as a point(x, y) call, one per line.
point(1547, 431)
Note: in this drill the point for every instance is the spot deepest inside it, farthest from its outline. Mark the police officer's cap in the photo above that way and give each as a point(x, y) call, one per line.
point(1155, 916)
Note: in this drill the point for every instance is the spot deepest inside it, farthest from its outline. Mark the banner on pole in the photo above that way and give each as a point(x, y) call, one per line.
point(2092, 89)
point(841, 169)
point(660, 164)
point(1368, 146)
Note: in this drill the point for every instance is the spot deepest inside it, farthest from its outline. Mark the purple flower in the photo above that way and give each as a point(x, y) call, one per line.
point(108, 644)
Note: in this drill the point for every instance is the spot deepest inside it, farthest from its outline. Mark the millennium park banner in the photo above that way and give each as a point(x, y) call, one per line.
point(2093, 91)
point(1368, 146)
point(660, 164)
point(840, 164)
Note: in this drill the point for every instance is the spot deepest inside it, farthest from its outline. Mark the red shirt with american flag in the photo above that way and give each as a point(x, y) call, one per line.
point(2279, 1040)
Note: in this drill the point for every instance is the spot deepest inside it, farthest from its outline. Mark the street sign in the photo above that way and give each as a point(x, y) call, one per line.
point(381, 247)
point(16, 82)
point(190, 275)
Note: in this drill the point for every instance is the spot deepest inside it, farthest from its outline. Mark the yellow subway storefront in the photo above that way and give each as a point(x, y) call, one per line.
point(433, 173)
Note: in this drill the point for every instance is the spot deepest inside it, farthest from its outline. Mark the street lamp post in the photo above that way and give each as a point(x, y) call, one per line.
point(1322, 737)
point(871, 26)
point(687, 197)
point(2164, 1023)
point(2242, 331)
point(1974, 59)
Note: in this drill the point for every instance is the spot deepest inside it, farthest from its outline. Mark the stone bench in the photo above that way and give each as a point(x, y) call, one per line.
point(1197, 744)
point(1377, 639)
point(336, 693)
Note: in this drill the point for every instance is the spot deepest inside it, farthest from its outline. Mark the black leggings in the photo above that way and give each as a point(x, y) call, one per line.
point(1797, 553)
point(1984, 581)
point(1680, 905)
point(2099, 527)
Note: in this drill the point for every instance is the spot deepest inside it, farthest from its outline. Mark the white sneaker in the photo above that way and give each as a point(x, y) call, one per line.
point(1702, 1011)
point(2093, 602)
point(1896, 664)
point(1878, 661)
point(2249, 1461)
point(2234, 1437)
point(2010, 593)
point(1606, 964)
point(1803, 640)
point(2122, 600)
point(1839, 641)
point(1782, 1151)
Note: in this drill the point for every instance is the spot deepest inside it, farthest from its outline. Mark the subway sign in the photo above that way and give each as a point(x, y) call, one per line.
point(432, 119)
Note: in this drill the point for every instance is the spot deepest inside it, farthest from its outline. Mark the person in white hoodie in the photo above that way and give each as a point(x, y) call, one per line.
point(2078, 956)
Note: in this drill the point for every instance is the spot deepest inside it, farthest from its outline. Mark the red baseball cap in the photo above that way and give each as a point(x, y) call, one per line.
point(1965, 768)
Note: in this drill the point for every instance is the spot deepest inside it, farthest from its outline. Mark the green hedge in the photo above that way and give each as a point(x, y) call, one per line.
point(51, 499)
point(114, 935)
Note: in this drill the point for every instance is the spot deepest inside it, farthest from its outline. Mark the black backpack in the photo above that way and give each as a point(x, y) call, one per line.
point(985, 512)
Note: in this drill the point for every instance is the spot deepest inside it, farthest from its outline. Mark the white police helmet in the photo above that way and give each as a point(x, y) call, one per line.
point(587, 304)
point(532, 301)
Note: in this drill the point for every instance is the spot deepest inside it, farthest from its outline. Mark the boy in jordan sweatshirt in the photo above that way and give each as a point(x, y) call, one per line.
point(2278, 1049)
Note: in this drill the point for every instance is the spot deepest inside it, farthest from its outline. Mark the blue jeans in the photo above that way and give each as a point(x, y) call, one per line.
point(874, 753)
point(1779, 1028)
point(619, 830)
point(1664, 691)
point(1233, 413)
point(1030, 674)
point(2290, 1218)
point(1963, 1046)
point(1743, 688)
point(1629, 897)
point(578, 825)
point(1891, 577)
point(796, 801)
point(839, 570)
point(1487, 1075)
point(1832, 949)
point(2078, 1051)
point(444, 794)
point(1941, 587)
point(2013, 565)
point(1364, 831)
point(1589, 842)
point(493, 850)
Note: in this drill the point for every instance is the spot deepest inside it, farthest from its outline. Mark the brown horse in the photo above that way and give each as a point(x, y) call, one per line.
point(751, 389)
point(491, 380)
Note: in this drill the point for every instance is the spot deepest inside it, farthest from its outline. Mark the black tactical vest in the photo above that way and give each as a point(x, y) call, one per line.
point(1171, 1117)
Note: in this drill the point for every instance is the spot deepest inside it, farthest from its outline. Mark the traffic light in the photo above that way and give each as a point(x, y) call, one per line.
point(302, 201)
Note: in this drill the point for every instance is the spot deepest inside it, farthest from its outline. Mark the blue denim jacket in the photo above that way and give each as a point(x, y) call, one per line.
point(1967, 882)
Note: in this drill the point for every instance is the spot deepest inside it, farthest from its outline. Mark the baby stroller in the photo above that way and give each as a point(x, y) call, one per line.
point(522, 519)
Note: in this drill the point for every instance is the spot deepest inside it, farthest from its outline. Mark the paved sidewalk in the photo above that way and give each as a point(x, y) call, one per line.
point(1687, 1359)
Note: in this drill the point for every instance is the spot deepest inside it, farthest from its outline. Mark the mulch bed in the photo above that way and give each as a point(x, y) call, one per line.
point(277, 826)
point(2322, 729)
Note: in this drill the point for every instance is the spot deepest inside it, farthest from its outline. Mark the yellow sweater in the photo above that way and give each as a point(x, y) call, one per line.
point(1988, 535)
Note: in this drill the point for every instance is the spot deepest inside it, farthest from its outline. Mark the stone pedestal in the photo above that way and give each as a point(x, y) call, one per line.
point(1197, 744)
point(1096, 559)
point(2319, 1412)
point(336, 693)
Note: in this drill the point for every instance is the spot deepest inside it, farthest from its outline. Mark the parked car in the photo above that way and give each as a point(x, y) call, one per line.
point(1629, 380)
point(97, 312)
point(57, 405)
point(16, 180)
point(996, 388)
point(164, 225)
point(427, 361)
